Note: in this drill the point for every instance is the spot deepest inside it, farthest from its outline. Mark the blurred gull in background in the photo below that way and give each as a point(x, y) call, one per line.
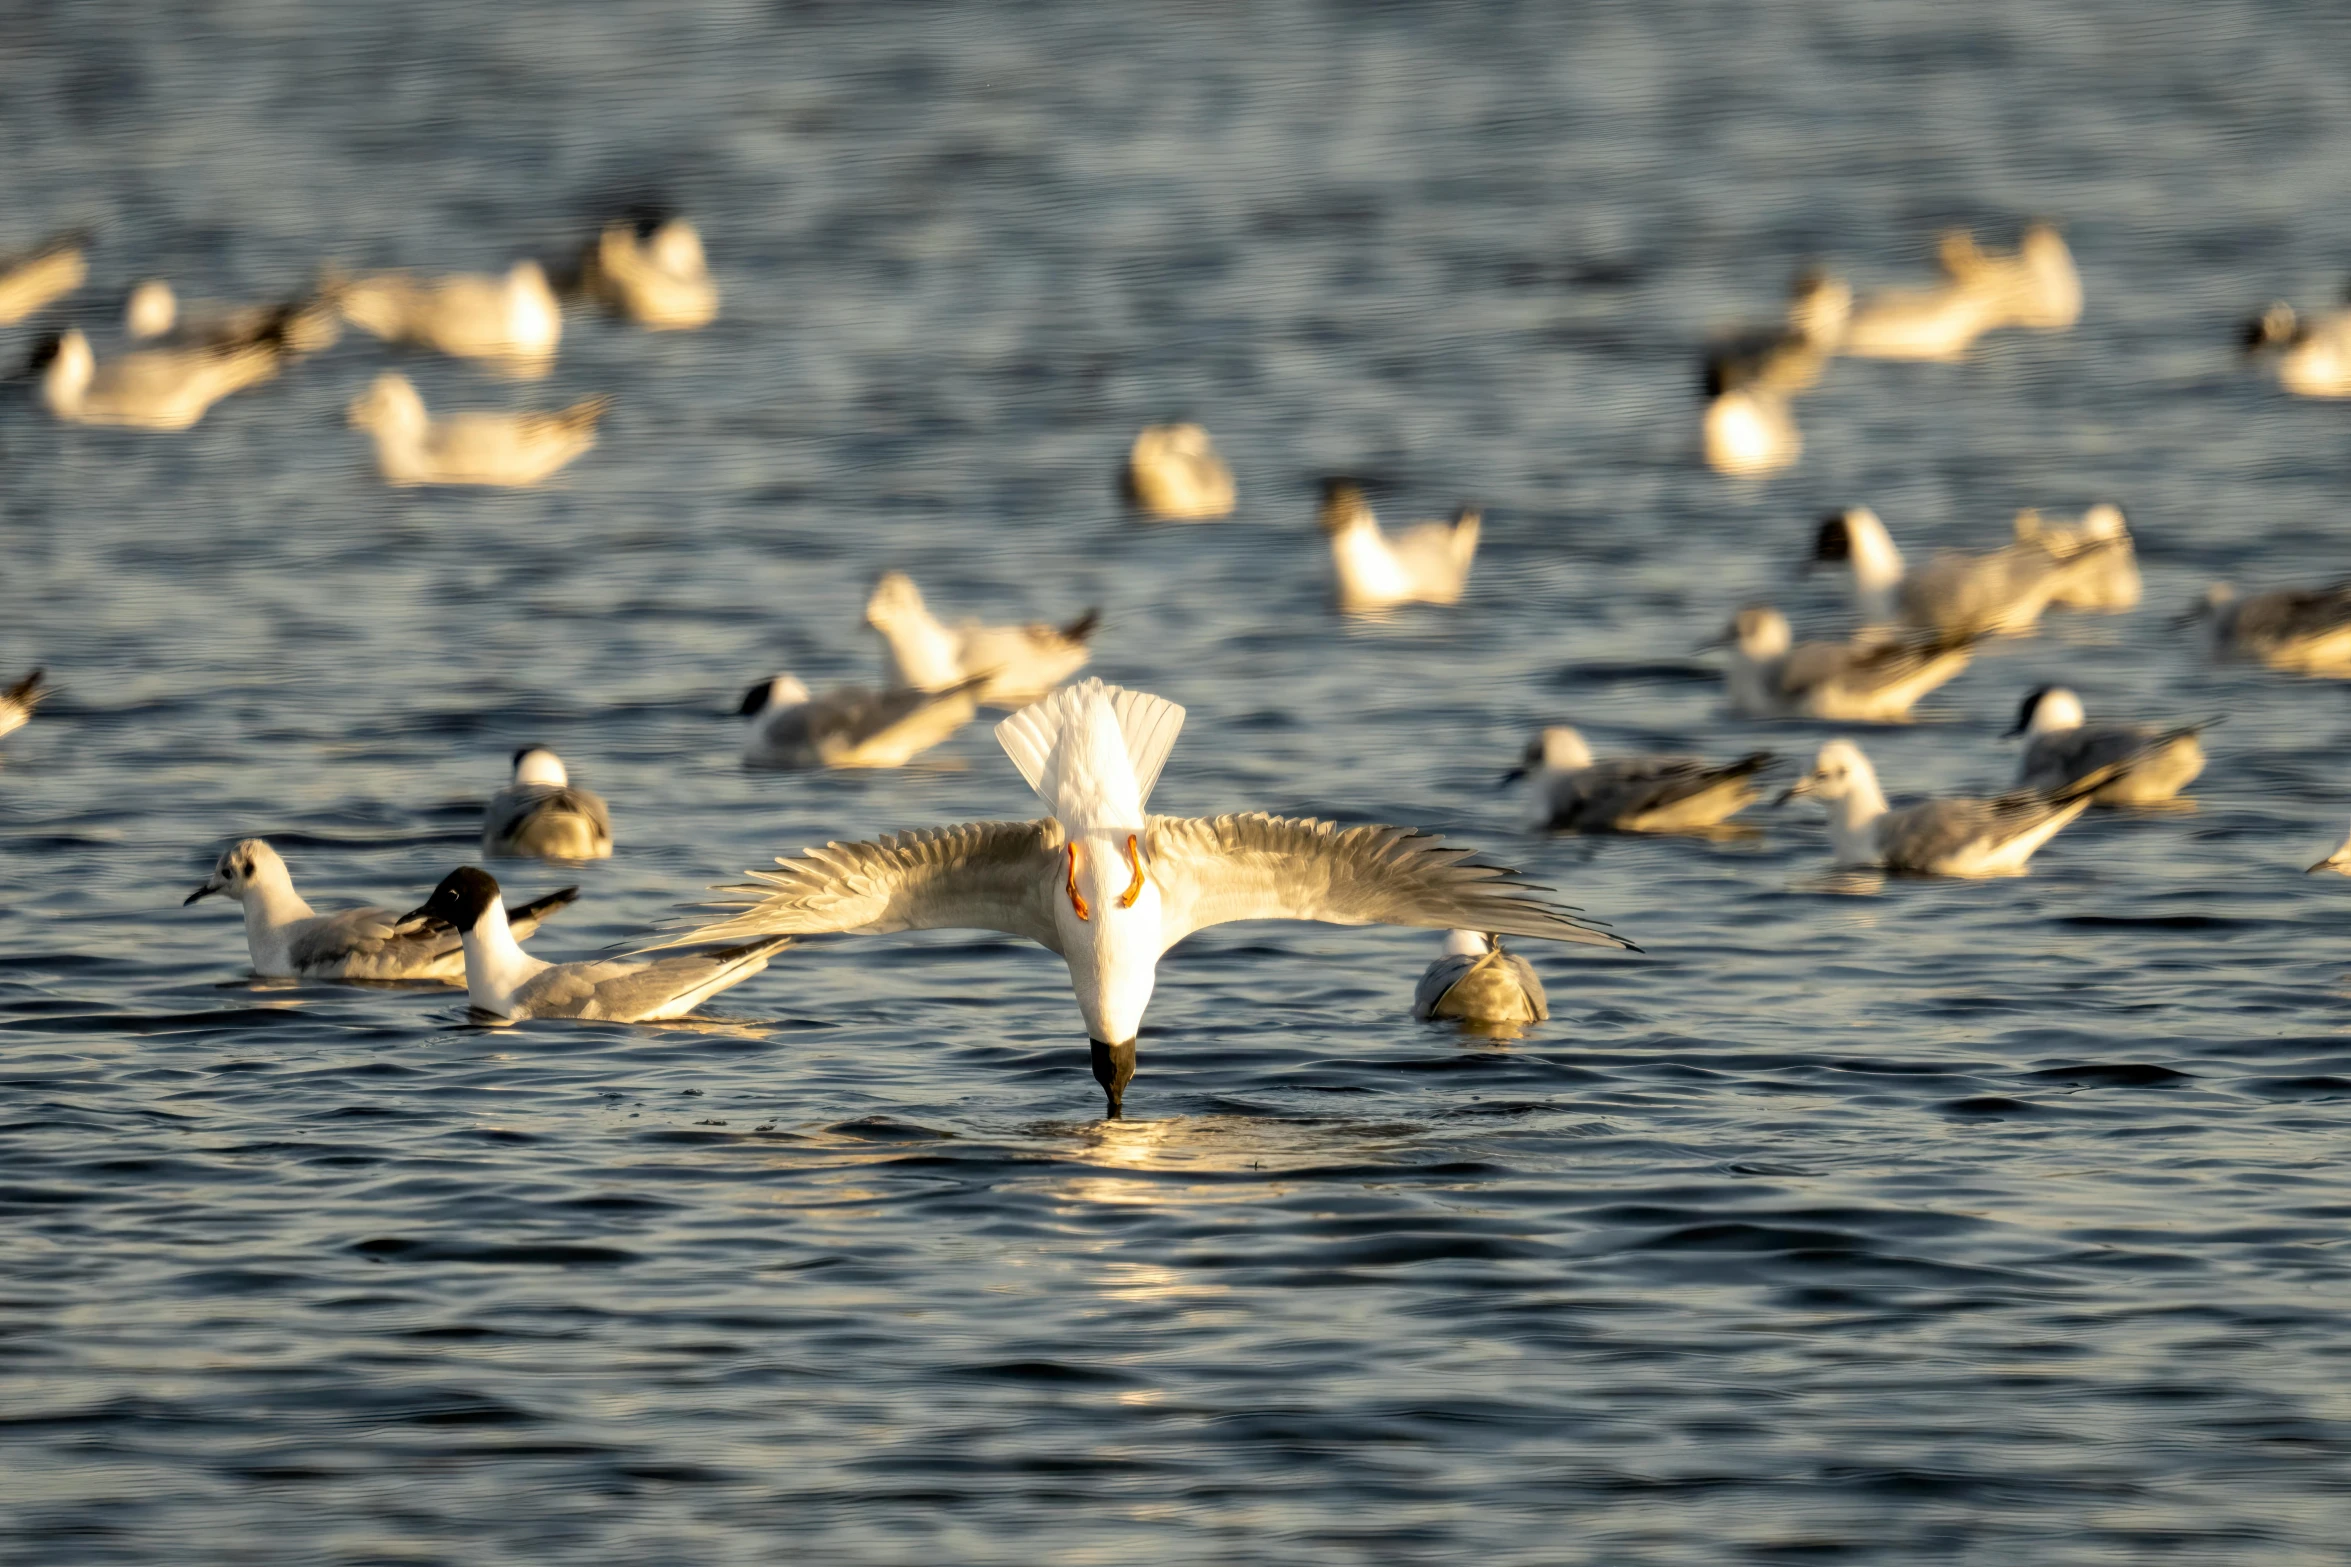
point(850, 726)
point(1960, 837)
point(1749, 433)
point(2102, 562)
point(652, 272)
point(542, 814)
point(1428, 563)
point(2314, 352)
point(1866, 680)
point(1981, 292)
point(288, 940)
point(1111, 888)
point(38, 278)
point(1661, 794)
point(2142, 763)
point(2303, 631)
point(1476, 981)
point(511, 321)
point(509, 984)
point(1020, 663)
point(153, 388)
point(1955, 594)
point(514, 450)
point(152, 314)
point(1173, 473)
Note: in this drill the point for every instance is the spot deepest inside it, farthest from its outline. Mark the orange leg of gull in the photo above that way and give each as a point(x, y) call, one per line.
point(1077, 899)
point(1126, 899)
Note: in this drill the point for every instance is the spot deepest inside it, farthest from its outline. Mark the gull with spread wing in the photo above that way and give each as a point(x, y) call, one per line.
point(1112, 888)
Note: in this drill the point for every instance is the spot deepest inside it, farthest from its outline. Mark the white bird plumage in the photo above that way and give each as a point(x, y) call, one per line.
point(1427, 563)
point(514, 450)
point(1020, 663)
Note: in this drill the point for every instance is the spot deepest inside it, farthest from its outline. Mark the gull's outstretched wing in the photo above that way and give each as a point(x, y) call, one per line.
point(1213, 870)
point(977, 876)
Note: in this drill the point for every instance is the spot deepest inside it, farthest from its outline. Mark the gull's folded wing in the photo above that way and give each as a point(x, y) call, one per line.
point(1217, 869)
point(978, 876)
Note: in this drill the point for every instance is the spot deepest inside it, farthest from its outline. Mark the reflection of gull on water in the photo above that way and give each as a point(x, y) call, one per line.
point(1111, 888)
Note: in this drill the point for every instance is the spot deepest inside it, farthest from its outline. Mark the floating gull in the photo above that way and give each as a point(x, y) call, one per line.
point(1477, 982)
point(2302, 630)
point(1866, 680)
point(2314, 355)
point(542, 815)
point(1981, 292)
point(288, 940)
point(511, 449)
point(653, 273)
point(509, 984)
point(511, 321)
point(153, 389)
point(18, 701)
point(850, 726)
point(1574, 793)
point(1111, 888)
point(1021, 663)
point(1749, 433)
point(2002, 591)
point(1174, 474)
point(40, 277)
point(302, 326)
point(1971, 838)
point(1428, 563)
point(2102, 563)
point(2143, 764)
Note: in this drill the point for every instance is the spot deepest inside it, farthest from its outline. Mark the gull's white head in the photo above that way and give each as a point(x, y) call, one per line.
point(390, 406)
point(1467, 944)
point(535, 764)
point(153, 310)
point(2049, 710)
point(769, 695)
point(533, 318)
point(1093, 752)
point(69, 370)
point(242, 867)
point(677, 249)
point(895, 600)
point(2103, 521)
point(1760, 632)
point(1560, 748)
point(1840, 773)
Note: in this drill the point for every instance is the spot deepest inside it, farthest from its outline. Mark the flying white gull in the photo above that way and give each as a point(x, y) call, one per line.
point(511, 985)
point(1477, 982)
point(289, 941)
point(543, 814)
point(1112, 888)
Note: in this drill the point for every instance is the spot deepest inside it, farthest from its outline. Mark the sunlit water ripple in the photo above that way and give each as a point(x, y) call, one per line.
point(1996, 1223)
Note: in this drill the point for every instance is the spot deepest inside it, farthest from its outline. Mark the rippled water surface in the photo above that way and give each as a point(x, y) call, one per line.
point(1991, 1223)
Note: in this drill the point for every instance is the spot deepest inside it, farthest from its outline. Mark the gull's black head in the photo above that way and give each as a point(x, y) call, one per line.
point(45, 350)
point(755, 699)
point(2032, 705)
point(465, 894)
point(1834, 541)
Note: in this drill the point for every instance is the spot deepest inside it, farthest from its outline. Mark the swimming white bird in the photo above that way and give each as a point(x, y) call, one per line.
point(2314, 353)
point(510, 985)
point(1476, 981)
point(1173, 473)
point(2303, 631)
point(18, 701)
point(850, 726)
point(513, 322)
point(300, 326)
point(1749, 433)
point(1111, 888)
point(2002, 591)
point(1867, 680)
point(153, 389)
point(510, 449)
point(1021, 663)
point(290, 941)
point(653, 273)
point(1981, 292)
point(2102, 564)
point(1428, 563)
point(1574, 793)
point(37, 278)
point(543, 815)
point(2143, 763)
point(1968, 838)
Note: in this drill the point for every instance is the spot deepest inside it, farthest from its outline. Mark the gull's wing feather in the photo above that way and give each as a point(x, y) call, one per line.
point(1213, 870)
point(367, 936)
point(629, 992)
point(977, 876)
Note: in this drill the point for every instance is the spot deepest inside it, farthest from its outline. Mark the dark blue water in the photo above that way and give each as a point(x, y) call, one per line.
point(1993, 1224)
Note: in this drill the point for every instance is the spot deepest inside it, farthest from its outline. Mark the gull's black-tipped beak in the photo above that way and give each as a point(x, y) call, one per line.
point(2334, 862)
point(207, 890)
point(415, 919)
point(1513, 776)
point(1801, 786)
point(1114, 1068)
point(2012, 731)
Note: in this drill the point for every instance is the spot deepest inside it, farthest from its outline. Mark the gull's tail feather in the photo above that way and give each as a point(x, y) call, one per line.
point(1149, 725)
